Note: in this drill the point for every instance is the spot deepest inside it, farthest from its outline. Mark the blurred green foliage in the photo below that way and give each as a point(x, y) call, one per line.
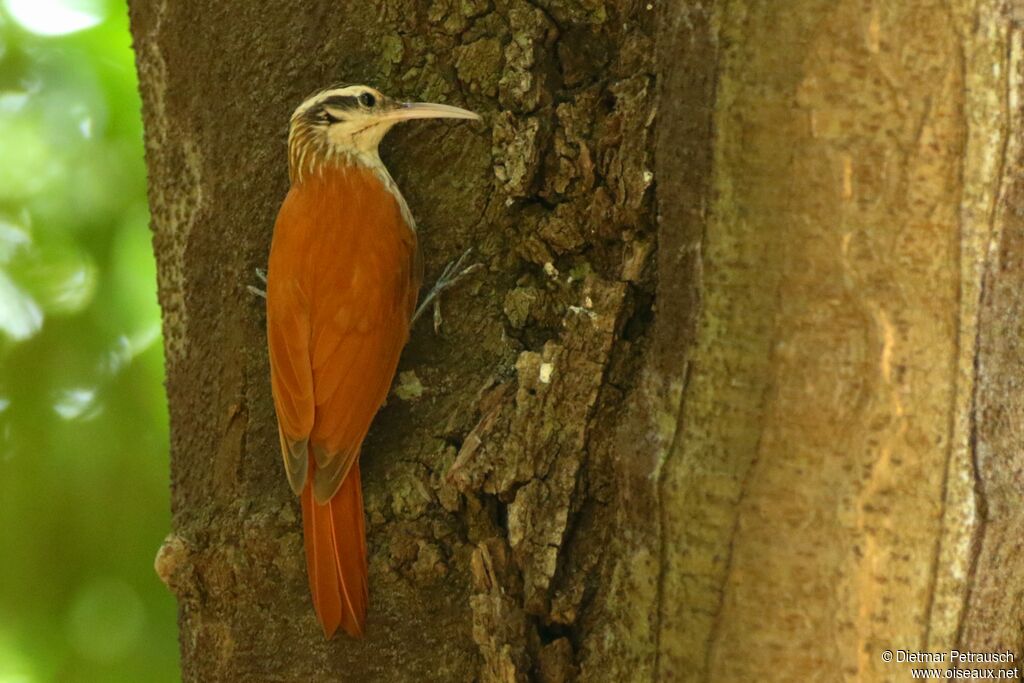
point(83, 421)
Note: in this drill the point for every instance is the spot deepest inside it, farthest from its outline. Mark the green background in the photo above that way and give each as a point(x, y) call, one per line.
point(83, 420)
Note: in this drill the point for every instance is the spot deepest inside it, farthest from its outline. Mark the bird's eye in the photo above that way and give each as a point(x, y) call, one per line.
point(367, 99)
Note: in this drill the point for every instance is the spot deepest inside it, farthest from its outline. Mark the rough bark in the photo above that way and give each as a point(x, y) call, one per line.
point(734, 398)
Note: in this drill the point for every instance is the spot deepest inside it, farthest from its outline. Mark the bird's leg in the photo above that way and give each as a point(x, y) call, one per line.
point(262, 275)
point(452, 274)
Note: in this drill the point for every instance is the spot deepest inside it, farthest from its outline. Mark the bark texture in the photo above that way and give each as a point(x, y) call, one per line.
point(736, 396)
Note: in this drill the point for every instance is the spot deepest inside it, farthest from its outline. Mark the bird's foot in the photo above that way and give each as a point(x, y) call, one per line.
point(262, 293)
point(452, 274)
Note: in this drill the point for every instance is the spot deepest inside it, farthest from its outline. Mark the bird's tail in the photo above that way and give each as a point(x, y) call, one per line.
point(335, 538)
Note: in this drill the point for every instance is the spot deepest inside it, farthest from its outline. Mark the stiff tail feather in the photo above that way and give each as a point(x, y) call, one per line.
point(335, 538)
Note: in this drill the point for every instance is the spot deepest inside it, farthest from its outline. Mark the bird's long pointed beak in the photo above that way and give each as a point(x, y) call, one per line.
point(427, 110)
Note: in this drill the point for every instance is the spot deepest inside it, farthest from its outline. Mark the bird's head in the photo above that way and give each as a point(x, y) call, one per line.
point(348, 123)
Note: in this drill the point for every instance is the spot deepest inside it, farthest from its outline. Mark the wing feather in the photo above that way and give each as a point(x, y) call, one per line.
point(342, 283)
point(288, 327)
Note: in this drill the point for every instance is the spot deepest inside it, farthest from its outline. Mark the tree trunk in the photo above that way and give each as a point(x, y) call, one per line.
point(734, 398)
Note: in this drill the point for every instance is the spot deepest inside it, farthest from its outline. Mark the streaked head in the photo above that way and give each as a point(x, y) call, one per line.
point(351, 121)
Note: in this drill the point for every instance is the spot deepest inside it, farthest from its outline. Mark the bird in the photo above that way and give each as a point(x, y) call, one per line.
point(342, 283)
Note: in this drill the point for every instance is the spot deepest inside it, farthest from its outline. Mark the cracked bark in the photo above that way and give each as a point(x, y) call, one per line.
point(734, 396)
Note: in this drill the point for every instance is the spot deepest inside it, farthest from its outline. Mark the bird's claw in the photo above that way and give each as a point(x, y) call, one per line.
point(452, 274)
point(262, 275)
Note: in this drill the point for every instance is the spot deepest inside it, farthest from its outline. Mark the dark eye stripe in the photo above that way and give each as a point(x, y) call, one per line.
point(341, 101)
point(339, 104)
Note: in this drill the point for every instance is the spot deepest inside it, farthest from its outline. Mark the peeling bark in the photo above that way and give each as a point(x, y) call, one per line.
point(733, 398)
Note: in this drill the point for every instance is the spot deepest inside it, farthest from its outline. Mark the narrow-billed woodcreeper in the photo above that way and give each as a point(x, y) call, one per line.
point(342, 285)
